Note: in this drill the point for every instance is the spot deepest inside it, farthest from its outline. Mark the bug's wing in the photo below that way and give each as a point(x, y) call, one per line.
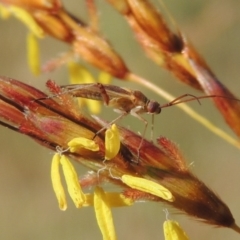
point(88, 90)
point(95, 91)
point(116, 91)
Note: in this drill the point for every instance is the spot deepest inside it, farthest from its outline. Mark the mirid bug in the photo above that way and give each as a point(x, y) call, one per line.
point(124, 101)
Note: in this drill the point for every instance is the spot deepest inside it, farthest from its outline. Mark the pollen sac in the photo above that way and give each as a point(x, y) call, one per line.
point(148, 186)
point(112, 142)
point(172, 231)
point(33, 53)
point(28, 20)
point(104, 214)
point(80, 142)
point(104, 77)
point(114, 199)
point(74, 188)
point(56, 182)
point(79, 74)
point(4, 12)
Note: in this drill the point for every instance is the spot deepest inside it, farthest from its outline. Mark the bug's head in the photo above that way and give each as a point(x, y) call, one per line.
point(153, 107)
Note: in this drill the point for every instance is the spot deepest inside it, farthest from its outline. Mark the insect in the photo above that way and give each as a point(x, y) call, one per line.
point(124, 101)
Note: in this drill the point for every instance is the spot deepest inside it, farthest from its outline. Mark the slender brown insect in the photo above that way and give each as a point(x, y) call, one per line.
point(124, 101)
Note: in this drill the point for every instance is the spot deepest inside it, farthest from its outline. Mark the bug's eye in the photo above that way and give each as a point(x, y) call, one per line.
point(154, 107)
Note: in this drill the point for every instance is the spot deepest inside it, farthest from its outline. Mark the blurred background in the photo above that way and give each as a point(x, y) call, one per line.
point(28, 207)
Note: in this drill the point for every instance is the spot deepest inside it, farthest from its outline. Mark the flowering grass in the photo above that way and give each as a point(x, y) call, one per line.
point(112, 172)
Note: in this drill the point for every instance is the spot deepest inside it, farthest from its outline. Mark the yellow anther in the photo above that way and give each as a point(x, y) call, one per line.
point(104, 77)
point(33, 53)
point(4, 12)
point(118, 200)
point(93, 105)
point(114, 199)
point(80, 142)
point(28, 20)
point(74, 188)
point(112, 142)
point(56, 182)
point(172, 231)
point(79, 74)
point(148, 186)
point(104, 215)
point(89, 198)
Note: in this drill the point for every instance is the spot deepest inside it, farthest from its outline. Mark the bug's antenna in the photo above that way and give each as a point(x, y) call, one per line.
point(180, 99)
point(152, 127)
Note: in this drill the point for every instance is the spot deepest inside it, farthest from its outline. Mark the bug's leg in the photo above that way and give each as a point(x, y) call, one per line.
point(135, 112)
point(152, 128)
point(123, 114)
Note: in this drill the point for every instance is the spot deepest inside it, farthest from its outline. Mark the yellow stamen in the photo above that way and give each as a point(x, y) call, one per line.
point(56, 182)
point(118, 200)
point(94, 106)
point(73, 185)
point(172, 231)
point(114, 199)
point(104, 215)
point(88, 200)
point(4, 12)
point(79, 74)
point(112, 142)
point(148, 186)
point(33, 53)
point(80, 142)
point(104, 77)
point(28, 20)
